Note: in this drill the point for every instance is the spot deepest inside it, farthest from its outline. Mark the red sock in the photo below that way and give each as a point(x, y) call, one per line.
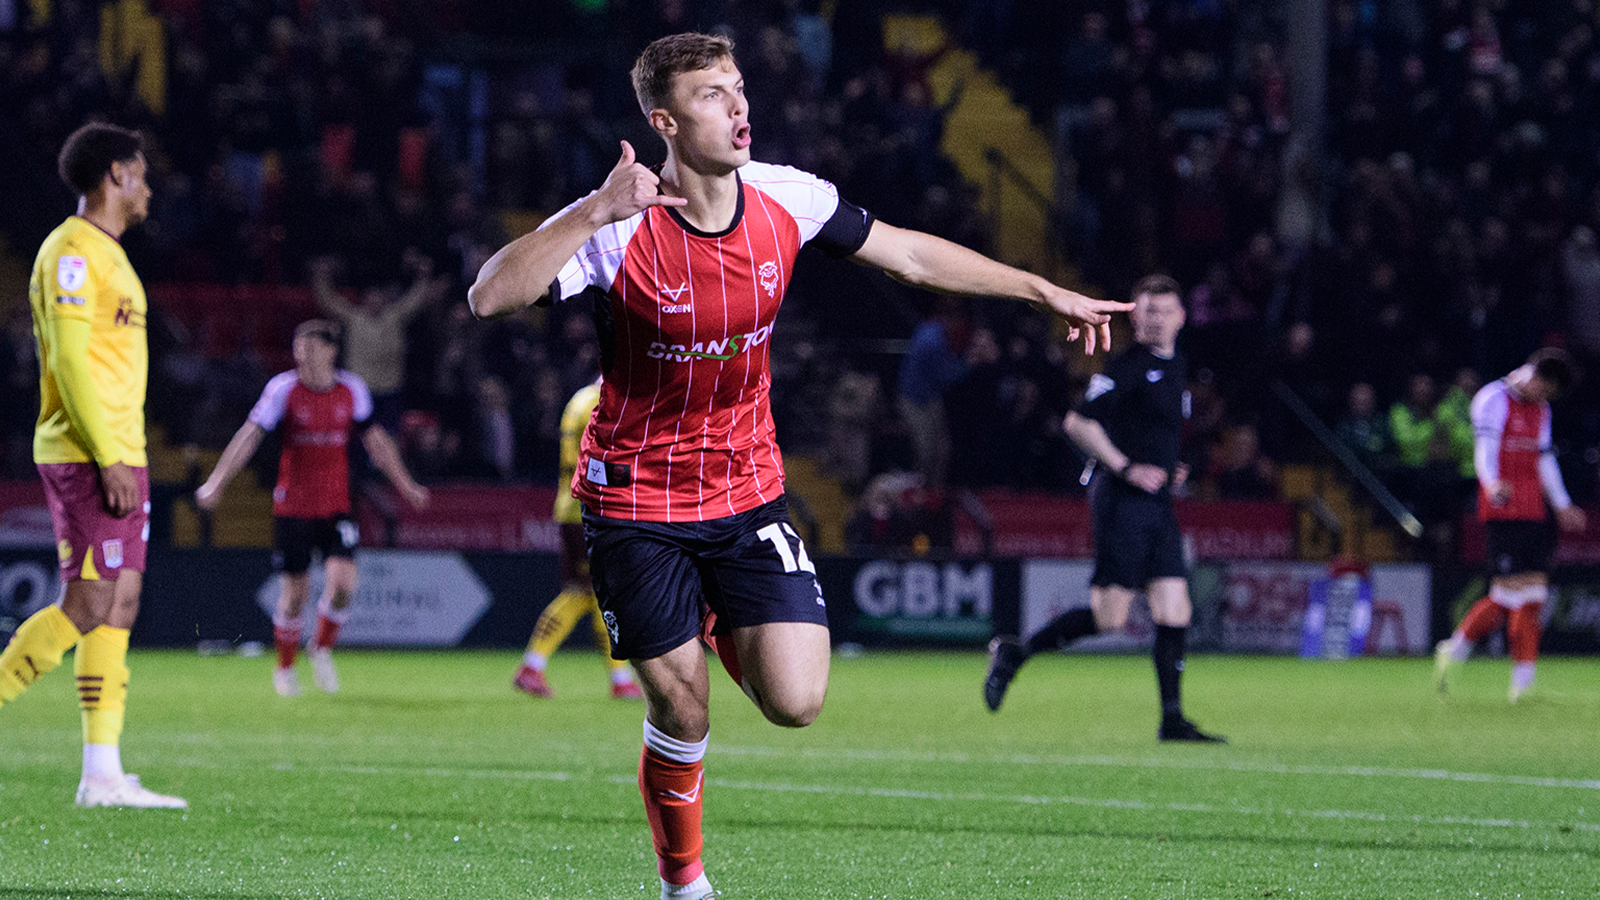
point(1524, 632)
point(671, 792)
point(287, 641)
point(1485, 618)
point(327, 633)
point(722, 645)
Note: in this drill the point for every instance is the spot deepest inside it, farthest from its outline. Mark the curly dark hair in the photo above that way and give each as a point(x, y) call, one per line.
point(87, 155)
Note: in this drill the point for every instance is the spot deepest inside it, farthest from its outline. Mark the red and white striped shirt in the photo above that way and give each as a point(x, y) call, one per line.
point(684, 431)
point(314, 470)
point(1513, 447)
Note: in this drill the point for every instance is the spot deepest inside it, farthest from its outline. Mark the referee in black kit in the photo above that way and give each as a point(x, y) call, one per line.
point(1129, 425)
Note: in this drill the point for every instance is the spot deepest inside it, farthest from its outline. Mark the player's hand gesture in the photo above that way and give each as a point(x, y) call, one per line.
point(121, 489)
point(629, 190)
point(1087, 316)
point(1572, 519)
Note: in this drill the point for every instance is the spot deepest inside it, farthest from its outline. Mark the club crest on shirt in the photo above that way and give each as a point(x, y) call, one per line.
point(72, 272)
point(1153, 375)
point(768, 272)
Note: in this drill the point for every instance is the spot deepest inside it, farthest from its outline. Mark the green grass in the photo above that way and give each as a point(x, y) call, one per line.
point(429, 777)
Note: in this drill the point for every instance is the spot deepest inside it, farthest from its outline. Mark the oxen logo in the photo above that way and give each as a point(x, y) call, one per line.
point(769, 277)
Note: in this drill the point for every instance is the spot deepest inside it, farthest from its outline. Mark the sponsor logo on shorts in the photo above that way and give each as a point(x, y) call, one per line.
point(611, 625)
point(72, 272)
point(113, 552)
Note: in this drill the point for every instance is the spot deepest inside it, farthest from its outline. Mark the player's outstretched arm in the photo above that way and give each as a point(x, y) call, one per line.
point(925, 261)
point(386, 456)
point(521, 271)
point(234, 456)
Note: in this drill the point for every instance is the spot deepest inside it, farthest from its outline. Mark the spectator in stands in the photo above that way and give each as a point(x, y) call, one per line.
point(1239, 470)
point(880, 524)
point(933, 362)
point(1365, 431)
point(375, 329)
point(1425, 476)
point(855, 407)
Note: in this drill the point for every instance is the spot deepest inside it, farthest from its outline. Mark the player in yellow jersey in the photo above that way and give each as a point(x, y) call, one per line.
point(576, 599)
point(89, 322)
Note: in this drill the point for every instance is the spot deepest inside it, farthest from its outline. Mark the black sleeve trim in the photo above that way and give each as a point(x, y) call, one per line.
point(845, 231)
point(552, 297)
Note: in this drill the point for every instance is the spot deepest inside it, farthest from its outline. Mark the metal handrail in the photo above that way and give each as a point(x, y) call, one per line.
point(1363, 475)
point(1055, 218)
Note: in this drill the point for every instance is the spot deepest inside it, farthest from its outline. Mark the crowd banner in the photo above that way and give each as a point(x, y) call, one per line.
point(24, 517)
point(472, 517)
point(29, 580)
point(403, 598)
point(1039, 525)
point(1572, 549)
point(1240, 607)
point(915, 602)
point(406, 598)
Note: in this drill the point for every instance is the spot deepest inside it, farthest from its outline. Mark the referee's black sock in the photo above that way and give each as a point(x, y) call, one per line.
point(1168, 656)
point(1063, 630)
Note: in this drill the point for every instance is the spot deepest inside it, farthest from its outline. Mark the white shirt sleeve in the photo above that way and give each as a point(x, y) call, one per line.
point(599, 259)
point(268, 410)
point(1489, 410)
point(809, 200)
point(360, 393)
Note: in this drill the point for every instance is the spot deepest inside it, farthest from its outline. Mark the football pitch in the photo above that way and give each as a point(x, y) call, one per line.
point(428, 776)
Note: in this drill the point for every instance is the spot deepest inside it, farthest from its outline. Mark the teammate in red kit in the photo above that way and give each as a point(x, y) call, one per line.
point(319, 406)
point(1517, 475)
point(680, 474)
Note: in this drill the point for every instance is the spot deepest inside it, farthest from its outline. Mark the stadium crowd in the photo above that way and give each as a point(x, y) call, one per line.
point(365, 149)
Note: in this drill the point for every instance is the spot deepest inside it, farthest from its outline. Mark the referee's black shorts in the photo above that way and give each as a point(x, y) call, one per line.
point(1136, 536)
point(655, 579)
point(1517, 546)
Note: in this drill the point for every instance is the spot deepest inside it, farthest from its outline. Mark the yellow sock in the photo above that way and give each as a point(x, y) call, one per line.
point(102, 670)
point(556, 622)
point(602, 637)
point(35, 649)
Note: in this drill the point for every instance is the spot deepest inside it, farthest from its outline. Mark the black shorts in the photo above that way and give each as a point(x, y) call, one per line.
point(1136, 536)
point(655, 579)
point(294, 539)
point(1515, 547)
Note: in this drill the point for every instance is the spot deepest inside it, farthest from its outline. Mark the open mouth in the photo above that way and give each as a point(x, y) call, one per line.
point(741, 136)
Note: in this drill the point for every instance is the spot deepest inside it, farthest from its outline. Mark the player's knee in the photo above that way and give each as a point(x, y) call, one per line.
point(794, 710)
point(1109, 620)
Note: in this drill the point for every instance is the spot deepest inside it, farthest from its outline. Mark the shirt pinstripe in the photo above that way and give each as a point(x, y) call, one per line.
point(686, 402)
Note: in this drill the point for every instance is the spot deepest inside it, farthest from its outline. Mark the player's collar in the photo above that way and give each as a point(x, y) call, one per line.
point(738, 213)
